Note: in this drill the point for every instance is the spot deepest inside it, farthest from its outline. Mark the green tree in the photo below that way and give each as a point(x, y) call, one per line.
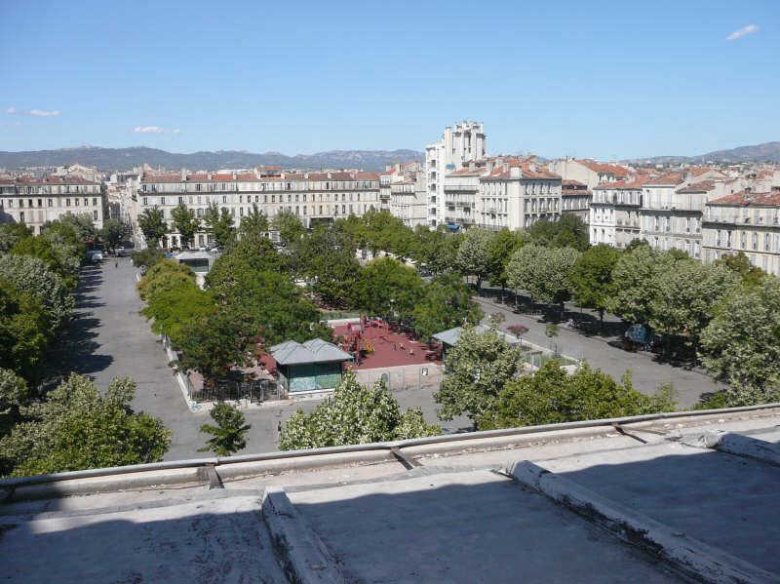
point(436, 250)
point(31, 276)
point(355, 414)
point(474, 254)
point(686, 297)
point(153, 226)
point(591, 278)
point(502, 246)
point(545, 273)
point(568, 231)
point(445, 303)
point(186, 223)
point(11, 234)
point(229, 435)
point(25, 331)
point(220, 225)
point(79, 427)
point(147, 257)
point(115, 233)
point(289, 226)
point(326, 258)
point(741, 344)
point(254, 223)
point(634, 283)
point(387, 286)
point(165, 274)
point(476, 370)
point(14, 392)
point(215, 343)
point(551, 396)
point(740, 265)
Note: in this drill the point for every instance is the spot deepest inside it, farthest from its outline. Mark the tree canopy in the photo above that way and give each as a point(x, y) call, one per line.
point(551, 395)
point(544, 272)
point(219, 223)
point(476, 370)
point(229, 434)
point(186, 223)
point(741, 344)
point(79, 427)
point(153, 226)
point(591, 278)
point(355, 414)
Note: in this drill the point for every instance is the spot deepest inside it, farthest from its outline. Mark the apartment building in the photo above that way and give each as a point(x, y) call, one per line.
point(35, 201)
point(575, 199)
point(312, 196)
point(501, 192)
point(615, 213)
point(590, 172)
point(516, 193)
point(746, 221)
point(462, 144)
point(408, 194)
point(670, 217)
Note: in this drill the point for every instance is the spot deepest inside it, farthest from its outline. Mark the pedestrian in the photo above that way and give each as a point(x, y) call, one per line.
point(116, 264)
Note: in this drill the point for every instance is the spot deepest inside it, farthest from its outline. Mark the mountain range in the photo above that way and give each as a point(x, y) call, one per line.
point(110, 159)
point(766, 152)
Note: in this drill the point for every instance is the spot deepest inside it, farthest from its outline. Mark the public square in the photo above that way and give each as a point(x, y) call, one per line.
point(114, 340)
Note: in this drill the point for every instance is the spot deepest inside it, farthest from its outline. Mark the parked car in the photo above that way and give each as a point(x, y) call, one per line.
point(95, 256)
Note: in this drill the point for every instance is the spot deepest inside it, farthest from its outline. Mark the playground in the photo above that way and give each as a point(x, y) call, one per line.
point(375, 344)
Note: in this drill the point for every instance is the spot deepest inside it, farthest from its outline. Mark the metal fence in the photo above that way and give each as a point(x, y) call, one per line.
point(426, 376)
point(255, 391)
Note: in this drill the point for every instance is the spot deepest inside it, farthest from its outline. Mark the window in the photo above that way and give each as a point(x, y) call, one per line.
point(40, 202)
point(224, 198)
point(50, 202)
point(76, 201)
point(145, 201)
point(95, 215)
point(181, 200)
point(162, 200)
point(766, 241)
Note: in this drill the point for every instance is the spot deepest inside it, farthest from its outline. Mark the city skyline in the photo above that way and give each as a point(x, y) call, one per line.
point(567, 79)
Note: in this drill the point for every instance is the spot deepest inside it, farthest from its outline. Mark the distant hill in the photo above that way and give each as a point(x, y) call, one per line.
point(767, 152)
point(109, 159)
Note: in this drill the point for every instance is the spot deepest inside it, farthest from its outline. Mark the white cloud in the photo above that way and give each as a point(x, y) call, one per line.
point(744, 31)
point(155, 130)
point(38, 113)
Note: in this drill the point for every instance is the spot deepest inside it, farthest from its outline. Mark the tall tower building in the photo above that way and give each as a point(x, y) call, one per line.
point(459, 145)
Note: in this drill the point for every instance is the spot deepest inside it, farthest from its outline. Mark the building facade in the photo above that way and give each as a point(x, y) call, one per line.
point(36, 201)
point(591, 173)
point(615, 213)
point(575, 199)
point(464, 143)
point(312, 196)
point(407, 198)
point(747, 222)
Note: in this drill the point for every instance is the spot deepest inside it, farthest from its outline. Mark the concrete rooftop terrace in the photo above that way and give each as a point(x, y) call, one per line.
point(689, 497)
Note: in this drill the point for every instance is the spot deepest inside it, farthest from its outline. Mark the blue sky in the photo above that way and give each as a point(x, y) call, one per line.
point(605, 79)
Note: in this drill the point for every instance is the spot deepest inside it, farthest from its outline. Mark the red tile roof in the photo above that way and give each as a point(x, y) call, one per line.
point(671, 178)
point(744, 199)
point(604, 168)
point(619, 185)
point(699, 187)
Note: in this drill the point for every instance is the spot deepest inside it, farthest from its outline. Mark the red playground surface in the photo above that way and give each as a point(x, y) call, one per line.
point(378, 346)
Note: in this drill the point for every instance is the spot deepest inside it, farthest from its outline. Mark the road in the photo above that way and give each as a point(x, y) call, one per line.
point(112, 339)
point(646, 373)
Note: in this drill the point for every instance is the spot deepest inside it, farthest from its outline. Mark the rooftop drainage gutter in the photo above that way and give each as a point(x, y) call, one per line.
point(341, 454)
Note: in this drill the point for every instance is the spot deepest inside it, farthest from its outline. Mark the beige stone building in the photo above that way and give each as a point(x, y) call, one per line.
point(35, 201)
point(312, 196)
point(615, 213)
point(575, 199)
point(746, 221)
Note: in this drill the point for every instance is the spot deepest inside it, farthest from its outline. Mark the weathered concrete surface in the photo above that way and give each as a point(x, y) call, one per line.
point(199, 541)
point(737, 445)
point(690, 556)
point(299, 549)
point(728, 502)
point(464, 527)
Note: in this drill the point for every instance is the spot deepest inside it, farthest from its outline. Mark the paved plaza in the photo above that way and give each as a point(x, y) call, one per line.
point(114, 339)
